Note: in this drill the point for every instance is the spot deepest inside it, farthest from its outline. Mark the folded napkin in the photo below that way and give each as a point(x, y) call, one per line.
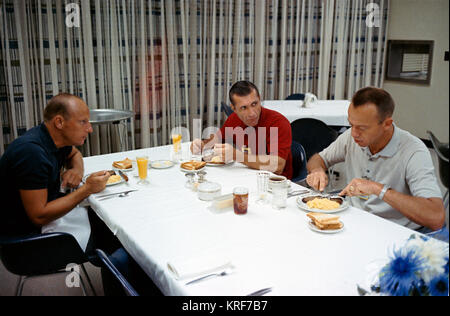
point(193, 268)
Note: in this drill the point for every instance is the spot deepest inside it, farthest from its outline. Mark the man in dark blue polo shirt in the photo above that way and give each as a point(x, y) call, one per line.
point(38, 164)
point(31, 169)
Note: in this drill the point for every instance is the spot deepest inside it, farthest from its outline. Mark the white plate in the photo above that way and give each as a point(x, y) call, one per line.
point(161, 164)
point(325, 231)
point(219, 164)
point(305, 207)
point(124, 170)
point(108, 184)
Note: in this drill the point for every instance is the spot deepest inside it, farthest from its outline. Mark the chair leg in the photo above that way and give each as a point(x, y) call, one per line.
point(20, 284)
point(88, 279)
point(83, 288)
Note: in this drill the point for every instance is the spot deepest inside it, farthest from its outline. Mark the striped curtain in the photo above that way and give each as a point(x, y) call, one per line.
point(173, 61)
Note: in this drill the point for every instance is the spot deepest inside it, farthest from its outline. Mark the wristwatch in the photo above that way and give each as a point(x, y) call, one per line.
point(383, 191)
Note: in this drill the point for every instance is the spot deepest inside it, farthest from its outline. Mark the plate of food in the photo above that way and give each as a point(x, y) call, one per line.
point(324, 223)
point(112, 180)
point(161, 164)
point(322, 204)
point(192, 166)
point(124, 165)
point(217, 161)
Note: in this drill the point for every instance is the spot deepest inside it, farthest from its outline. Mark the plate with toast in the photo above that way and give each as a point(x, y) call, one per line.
point(322, 204)
point(216, 161)
point(112, 180)
point(324, 223)
point(123, 165)
point(192, 166)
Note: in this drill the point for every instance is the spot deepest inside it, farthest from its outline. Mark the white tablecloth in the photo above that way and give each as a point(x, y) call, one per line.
point(332, 112)
point(166, 222)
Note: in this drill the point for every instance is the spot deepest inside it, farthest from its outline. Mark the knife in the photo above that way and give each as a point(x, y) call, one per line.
point(260, 292)
point(124, 176)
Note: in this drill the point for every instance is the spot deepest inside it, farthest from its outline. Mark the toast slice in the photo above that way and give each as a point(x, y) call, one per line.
point(123, 164)
point(217, 160)
point(193, 165)
point(325, 221)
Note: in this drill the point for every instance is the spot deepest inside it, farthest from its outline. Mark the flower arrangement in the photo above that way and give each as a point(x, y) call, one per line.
point(419, 268)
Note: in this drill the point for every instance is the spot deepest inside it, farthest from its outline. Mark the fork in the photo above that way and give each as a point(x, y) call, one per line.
point(223, 273)
point(124, 194)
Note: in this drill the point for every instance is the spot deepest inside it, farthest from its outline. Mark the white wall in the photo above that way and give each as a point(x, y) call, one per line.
point(422, 107)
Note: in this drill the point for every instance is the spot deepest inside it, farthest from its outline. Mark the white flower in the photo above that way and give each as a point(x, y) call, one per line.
point(433, 252)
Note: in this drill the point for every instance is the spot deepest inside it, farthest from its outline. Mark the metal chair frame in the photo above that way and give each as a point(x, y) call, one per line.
point(130, 291)
point(22, 256)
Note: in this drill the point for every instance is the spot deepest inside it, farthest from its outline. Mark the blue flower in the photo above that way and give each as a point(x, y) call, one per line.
point(439, 285)
point(401, 274)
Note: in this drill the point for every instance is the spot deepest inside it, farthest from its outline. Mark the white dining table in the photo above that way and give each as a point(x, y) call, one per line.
point(166, 222)
point(331, 112)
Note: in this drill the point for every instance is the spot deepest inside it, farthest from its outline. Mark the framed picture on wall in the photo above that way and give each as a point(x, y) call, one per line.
point(409, 61)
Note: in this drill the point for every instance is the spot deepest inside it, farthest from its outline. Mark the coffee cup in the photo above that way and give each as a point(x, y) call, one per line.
point(277, 180)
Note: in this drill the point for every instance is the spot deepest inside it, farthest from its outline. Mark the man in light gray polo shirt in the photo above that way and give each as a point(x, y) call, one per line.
point(389, 171)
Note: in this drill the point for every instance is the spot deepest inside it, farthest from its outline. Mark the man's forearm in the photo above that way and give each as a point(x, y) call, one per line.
point(42, 212)
point(426, 212)
point(315, 162)
point(75, 161)
point(60, 207)
point(270, 163)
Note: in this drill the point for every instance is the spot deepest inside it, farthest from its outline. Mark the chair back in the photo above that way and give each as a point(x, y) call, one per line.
point(299, 171)
point(442, 151)
point(129, 290)
point(296, 96)
point(40, 254)
point(314, 135)
point(226, 108)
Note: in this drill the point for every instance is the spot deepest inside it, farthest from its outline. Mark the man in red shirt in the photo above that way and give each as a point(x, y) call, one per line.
point(257, 137)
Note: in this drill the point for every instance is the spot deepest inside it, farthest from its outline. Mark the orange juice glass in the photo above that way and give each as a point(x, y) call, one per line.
point(176, 139)
point(142, 164)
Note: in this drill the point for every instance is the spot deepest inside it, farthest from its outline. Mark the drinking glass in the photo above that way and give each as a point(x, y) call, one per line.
point(142, 164)
point(176, 140)
point(240, 200)
point(279, 197)
point(262, 179)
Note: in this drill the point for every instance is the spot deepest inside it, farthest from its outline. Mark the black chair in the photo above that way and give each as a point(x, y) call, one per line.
point(298, 162)
point(129, 290)
point(442, 151)
point(296, 96)
point(226, 108)
point(40, 255)
point(314, 135)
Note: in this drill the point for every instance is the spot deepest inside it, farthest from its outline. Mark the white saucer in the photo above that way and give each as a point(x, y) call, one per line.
point(161, 164)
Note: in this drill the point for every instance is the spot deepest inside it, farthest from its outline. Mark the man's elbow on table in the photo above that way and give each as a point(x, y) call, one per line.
point(275, 164)
point(438, 220)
